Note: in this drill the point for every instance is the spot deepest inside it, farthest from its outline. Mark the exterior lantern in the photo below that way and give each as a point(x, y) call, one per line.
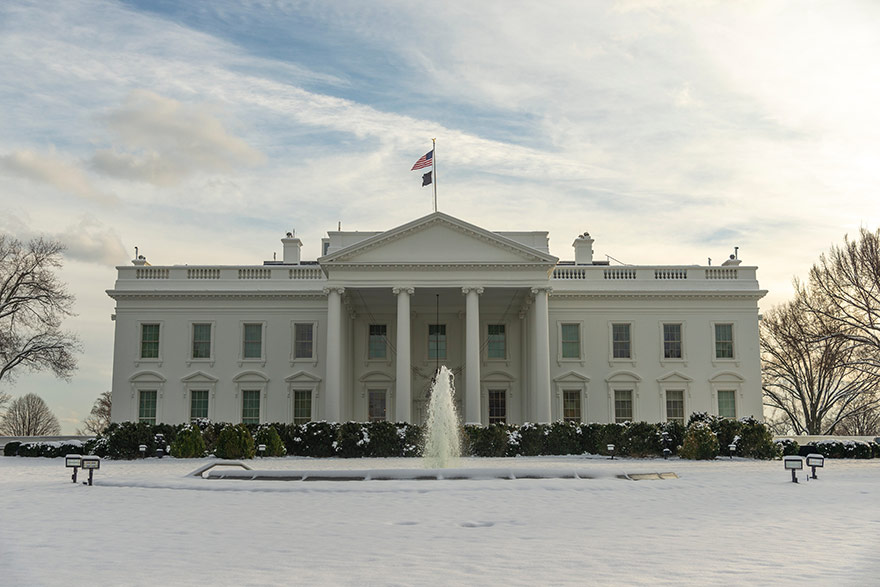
point(73, 462)
point(143, 449)
point(160, 445)
point(731, 449)
point(666, 453)
point(793, 463)
point(262, 450)
point(610, 448)
point(91, 464)
point(815, 460)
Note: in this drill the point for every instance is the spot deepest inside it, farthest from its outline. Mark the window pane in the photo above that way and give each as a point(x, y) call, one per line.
point(250, 406)
point(571, 405)
point(675, 405)
point(727, 404)
point(378, 341)
point(253, 341)
point(149, 341)
point(302, 406)
point(497, 342)
point(672, 341)
point(147, 406)
point(497, 406)
point(436, 341)
point(198, 404)
point(376, 406)
point(201, 341)
point(623, 405)
point(303, 341)
point(571, 341)
point(620, 341)
point(724, 341)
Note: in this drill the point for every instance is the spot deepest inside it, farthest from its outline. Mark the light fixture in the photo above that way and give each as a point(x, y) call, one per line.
point(73, 462)
point(815, 460)
point(793, 463)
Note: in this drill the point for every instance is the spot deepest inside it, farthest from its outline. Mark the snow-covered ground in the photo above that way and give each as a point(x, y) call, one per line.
point(719, 523)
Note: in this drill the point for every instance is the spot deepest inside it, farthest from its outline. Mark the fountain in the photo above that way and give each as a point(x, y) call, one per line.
point(442, 441)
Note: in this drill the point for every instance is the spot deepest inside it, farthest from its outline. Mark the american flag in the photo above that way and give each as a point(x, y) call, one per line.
point(426, 161)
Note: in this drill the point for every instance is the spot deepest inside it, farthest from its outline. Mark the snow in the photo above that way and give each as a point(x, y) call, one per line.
point(720, 523)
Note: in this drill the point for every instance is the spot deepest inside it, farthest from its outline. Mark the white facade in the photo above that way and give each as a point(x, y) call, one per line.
point(357, 334)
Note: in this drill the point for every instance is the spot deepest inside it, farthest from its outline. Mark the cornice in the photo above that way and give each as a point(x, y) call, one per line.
point(216, 295)
point(655, 295)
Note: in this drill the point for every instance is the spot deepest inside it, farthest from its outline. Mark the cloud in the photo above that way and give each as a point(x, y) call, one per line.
point(164, 141)
point(55, 171)
point(93, 242)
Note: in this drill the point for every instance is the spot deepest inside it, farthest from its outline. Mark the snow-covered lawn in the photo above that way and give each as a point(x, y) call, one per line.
point(719, 523)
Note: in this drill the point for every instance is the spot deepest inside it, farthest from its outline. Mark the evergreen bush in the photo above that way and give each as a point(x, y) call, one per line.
point(755, 441)
point(411, 438)
point(485, 441)
point(11, 448)
point(235, 442)
point(268, 435)
point(530, 440)
point(591, 437)
point(188, 443)
point(122, 440)
point(385, 440)
point(699, 442)
point(642, 440)
point(353, 440)
point(786, 447)
point(562, 438)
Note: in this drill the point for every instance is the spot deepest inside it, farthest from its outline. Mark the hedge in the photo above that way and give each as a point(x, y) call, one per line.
point(390, 439)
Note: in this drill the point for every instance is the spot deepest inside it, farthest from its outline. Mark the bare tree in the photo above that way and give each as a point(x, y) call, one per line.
point(99, 418)
point(29, 415)
point(865, 419)
point(812, 373)
point(4, 399)
point(33, 303)
point(845, 292)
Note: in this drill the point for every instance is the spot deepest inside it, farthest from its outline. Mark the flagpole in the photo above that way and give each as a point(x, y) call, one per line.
point(434, 160)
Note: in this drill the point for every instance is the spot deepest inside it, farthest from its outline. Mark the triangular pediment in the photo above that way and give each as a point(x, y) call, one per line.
point(439, 239)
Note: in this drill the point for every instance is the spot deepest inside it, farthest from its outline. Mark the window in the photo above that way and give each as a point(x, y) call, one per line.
point(147, 406)
point(672, 341)
point(302, 406)
point(198, 404)
point(724, 341)
point(303, 340)
point(571, 405)
point(201, 341)
point(378, 344)
point(250, 406)
point(436, 341)
point(149, 341)
point(675, 405)
point(497, 406)
point(623, 405)
point(621, 344)
point(571, 341)
point(497, 348)
point(377, 405)
point(252, 343)
point(727, 403)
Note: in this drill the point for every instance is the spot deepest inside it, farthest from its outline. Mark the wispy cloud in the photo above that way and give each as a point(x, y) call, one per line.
point(163, 141)
point(53, 170)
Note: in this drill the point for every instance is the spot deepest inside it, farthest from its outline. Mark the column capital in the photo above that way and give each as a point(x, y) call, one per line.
point(339, 290)
point(543, 289)
point(398, 290)
point(467, 290)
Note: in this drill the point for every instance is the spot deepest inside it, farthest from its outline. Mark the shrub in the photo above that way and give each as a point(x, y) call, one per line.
point(642, 439)
point(266, 434)
point(411, 438)
point(316, 439)
point(188, 443)
point(353, 440)
point(11, 449)
point(122, 440)
point(529, 441)
point(235, 442)
point(591, 437)
point(787, 447)
point(385, 440)
point(485, 441)
point(675, 433)
point(699, 442)
point(615, 434)
point(755, 441)
point(562, 438)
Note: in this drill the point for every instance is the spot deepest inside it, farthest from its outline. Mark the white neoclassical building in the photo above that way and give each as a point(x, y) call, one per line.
point(358, 334)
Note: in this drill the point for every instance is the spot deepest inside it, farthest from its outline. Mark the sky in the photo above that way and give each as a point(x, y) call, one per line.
point(201, 132)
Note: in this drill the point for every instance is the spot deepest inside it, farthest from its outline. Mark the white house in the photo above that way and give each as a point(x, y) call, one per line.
point(358, 334)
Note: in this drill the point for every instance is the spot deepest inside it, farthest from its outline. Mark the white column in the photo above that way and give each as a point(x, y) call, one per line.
point(403, 398)
point(333, 376)
point(542, 355)
point(472, 355)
